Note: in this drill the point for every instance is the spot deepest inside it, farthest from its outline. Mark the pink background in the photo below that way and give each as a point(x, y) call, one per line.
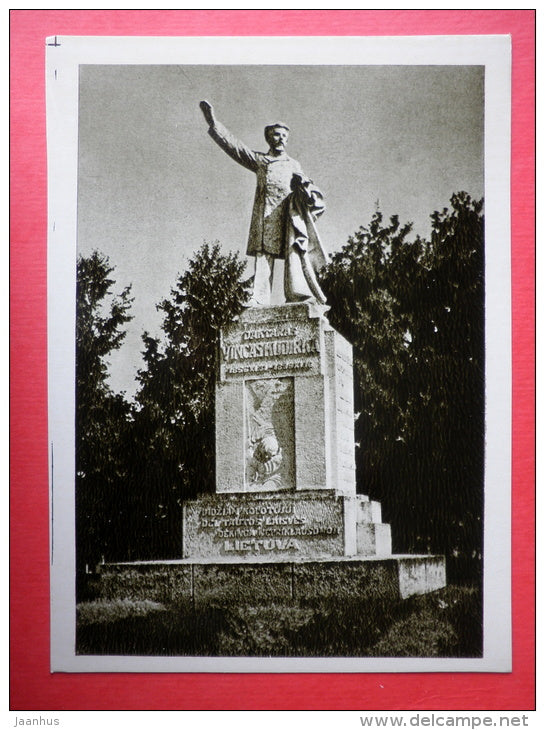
point(32, 686)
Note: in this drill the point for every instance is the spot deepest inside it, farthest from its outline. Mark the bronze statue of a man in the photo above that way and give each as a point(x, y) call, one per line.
point(286, 205)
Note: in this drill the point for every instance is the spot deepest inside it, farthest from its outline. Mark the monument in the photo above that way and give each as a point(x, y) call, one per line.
point(285, 521)
point(285, 472)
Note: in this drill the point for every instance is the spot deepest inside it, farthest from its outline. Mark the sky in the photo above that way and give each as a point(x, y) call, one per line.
point(152, 184)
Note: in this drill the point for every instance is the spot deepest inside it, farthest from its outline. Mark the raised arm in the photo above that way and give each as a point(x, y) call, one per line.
point(228, 143)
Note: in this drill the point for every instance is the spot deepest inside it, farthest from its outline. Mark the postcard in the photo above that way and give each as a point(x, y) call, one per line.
point(279, 353)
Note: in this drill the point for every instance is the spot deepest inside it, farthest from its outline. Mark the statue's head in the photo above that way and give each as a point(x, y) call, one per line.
point(277, 135)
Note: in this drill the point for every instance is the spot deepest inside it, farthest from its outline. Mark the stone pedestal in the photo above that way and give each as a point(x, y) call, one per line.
point(285, 473)
point(284, 403)
point(279, 526)
point(285, 523)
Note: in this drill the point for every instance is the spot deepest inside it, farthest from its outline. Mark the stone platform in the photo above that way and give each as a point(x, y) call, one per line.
point(285, 581)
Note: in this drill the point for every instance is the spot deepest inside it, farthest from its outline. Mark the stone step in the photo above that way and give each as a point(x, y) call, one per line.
point(374, 539)
point(369, 511)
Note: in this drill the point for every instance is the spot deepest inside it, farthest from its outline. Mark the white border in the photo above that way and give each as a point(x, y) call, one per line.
point(62, 62)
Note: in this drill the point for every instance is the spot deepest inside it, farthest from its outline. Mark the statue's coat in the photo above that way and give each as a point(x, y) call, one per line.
point(274, 174)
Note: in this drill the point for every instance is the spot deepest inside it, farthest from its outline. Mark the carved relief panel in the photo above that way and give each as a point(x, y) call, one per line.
point(270, 434)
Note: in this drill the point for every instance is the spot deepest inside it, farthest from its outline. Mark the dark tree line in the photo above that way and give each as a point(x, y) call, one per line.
point(102, 416)
point(150, 455)
point(171, 442)
point(413, 310)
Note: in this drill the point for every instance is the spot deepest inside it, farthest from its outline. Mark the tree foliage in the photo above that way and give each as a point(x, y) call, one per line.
point(414, 312)
point(173, 433)
point(101, 414)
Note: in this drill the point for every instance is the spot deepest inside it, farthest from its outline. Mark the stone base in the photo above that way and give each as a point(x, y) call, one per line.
point(258, 582)
point(283, 525)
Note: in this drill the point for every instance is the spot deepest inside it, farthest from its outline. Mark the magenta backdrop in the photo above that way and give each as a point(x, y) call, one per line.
point(32, 686)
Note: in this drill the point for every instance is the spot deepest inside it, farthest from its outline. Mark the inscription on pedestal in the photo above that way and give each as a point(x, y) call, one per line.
point(270, 347)
point(264, 526)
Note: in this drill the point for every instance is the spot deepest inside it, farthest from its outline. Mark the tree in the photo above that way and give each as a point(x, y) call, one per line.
point(173, 434)
point(414, 312)
point(101, 414)
point(449, 371)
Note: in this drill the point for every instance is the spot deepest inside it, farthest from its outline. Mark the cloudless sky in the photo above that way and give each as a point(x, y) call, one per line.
point(152, 185)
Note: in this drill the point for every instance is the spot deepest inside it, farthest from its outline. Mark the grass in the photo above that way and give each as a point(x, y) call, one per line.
point(446, 623)
point(105, 612)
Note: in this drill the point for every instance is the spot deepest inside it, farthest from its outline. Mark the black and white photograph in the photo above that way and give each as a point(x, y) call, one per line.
point(279, 354)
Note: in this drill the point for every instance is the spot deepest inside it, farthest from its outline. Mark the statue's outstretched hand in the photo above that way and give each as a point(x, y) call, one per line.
point(208, 111)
